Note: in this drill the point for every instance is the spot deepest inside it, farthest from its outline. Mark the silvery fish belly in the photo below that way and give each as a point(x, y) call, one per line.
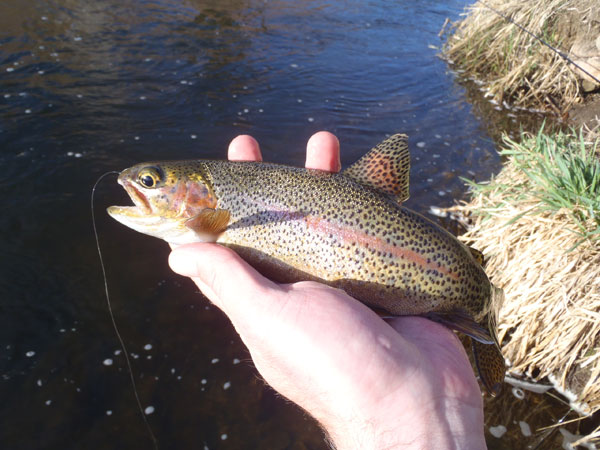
point(347, 230)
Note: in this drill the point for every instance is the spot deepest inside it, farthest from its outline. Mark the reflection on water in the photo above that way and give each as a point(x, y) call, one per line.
point(87, 87)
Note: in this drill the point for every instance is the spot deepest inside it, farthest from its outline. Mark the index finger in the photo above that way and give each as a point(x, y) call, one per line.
point(323, 152)
point(244, 148)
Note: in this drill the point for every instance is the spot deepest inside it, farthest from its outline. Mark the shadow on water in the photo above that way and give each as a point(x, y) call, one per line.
point(87, 87)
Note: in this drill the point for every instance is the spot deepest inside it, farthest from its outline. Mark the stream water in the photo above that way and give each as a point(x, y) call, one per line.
point(88, 87)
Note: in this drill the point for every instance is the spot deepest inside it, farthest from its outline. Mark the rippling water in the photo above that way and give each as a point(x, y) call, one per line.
point(87, 87)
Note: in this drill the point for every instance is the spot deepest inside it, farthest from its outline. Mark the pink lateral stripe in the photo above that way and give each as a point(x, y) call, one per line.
point(351, 235)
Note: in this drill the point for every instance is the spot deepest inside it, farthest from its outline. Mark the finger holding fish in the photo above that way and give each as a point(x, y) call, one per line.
point(244, 148)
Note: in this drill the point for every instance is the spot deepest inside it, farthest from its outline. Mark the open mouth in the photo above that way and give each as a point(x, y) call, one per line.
point(139, 200)
point(141, 208)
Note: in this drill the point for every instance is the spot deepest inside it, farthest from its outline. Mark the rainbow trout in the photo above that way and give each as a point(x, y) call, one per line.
point(347, 230)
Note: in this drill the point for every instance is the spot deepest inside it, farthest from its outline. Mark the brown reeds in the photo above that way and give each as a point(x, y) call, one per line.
point(549, 268)
point(515, 66)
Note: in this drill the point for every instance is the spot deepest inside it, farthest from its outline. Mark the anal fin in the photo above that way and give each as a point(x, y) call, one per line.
point(461, 321)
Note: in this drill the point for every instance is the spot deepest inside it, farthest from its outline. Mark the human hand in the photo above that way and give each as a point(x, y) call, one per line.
point(405, 383)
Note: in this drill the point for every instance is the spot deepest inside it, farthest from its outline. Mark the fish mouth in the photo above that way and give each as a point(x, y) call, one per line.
point(141, 205)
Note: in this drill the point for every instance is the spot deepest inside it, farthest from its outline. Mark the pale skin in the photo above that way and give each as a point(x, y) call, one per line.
point(404, 383)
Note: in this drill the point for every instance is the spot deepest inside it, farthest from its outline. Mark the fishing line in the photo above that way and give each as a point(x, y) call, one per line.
point(112, 316)
point(554, 429)
point(560, 53)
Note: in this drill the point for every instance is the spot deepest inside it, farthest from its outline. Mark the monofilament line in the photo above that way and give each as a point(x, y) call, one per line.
point(112, 316)
point(560, 53)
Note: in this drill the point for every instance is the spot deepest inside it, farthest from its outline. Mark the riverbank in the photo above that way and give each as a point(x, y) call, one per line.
point(538, 224)
point(538, 221)
point(520, 70)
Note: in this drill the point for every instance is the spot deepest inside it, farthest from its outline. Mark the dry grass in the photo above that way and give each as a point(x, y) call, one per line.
point(516, 66)
point(549, 324)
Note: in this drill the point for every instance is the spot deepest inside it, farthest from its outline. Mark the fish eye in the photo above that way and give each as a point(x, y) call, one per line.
point(149, 177)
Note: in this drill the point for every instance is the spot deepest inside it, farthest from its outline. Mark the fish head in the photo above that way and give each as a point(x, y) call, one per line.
point(166, 196)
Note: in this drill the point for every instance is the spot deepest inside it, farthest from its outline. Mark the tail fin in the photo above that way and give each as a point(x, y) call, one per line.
point(490, 365)
point(488, 357)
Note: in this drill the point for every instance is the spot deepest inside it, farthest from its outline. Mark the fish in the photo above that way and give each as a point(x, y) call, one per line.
point(348, 230)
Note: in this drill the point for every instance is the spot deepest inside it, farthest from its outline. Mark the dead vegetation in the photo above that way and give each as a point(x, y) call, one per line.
point(538, 220)
point(538, 223)
point(517, 67)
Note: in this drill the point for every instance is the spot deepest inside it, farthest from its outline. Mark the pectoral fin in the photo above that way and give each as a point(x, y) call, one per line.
point(209, 221)
point(461, 321)
point(490, 365)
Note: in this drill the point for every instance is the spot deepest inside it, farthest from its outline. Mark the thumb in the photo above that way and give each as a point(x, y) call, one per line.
point(225, 278)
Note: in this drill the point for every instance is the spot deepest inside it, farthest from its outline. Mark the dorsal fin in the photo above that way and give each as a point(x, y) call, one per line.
point(385, 168)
